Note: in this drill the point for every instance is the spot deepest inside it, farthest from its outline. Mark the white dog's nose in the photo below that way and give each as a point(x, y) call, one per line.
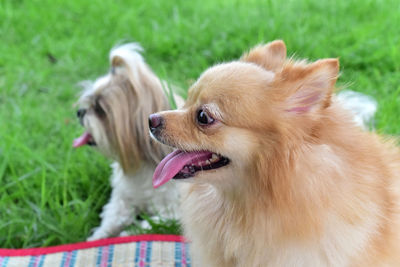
point(80, 113)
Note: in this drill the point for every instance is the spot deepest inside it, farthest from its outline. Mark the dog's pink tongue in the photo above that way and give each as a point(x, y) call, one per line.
point(82, 140)
point(173, 163)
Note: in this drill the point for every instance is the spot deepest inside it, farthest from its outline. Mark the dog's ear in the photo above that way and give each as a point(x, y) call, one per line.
point(270, 56)
point(309, 87)
point(125, 57)
point(119, 66)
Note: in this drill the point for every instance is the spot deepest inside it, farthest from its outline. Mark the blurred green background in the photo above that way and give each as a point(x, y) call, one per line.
point(52, 194)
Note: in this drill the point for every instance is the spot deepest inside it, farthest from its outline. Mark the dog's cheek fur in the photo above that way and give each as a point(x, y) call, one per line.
point(236, 139)
point(239, 146)
point(97, 129)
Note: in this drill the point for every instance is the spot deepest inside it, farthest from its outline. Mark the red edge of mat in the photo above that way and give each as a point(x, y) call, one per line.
point(90, 244)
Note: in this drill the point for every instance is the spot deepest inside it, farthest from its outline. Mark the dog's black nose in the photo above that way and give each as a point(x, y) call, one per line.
point(155, 122)
point(80, 113)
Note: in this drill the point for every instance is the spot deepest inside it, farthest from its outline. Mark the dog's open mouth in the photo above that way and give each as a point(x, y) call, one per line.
point(85, 139)
point(182, 165)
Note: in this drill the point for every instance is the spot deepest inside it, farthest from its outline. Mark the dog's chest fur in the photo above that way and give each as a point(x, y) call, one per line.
point(136, 191)
point(221, 238)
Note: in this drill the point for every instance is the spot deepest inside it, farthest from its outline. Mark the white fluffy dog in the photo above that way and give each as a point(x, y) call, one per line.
point(114, 111)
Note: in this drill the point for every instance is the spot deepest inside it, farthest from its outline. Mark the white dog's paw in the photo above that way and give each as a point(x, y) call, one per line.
point(145, 225)
point(125, 233)
point(98, 233)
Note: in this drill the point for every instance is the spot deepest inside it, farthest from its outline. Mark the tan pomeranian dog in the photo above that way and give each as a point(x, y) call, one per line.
point(280, 175)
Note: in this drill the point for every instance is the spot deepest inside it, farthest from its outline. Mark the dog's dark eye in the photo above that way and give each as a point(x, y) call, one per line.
point(203, 118)
point(98, 109)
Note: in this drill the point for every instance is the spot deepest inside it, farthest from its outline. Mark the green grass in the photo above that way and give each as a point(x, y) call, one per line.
point(52, 194)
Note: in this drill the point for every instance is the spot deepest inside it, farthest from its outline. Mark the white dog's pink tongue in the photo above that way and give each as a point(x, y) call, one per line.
point(174, 162)
point(82, 140)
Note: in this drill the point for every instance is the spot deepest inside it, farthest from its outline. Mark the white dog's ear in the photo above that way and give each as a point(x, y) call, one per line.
point(310, 87)
point(126, 56)
point(270, 56)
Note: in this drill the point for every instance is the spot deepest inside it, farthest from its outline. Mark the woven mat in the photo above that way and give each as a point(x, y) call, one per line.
point(141, 251)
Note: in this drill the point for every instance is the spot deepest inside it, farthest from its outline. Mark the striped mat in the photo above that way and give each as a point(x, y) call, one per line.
point(141, 251)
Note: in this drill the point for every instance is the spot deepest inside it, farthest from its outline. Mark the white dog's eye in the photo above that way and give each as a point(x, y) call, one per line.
point(203, 118)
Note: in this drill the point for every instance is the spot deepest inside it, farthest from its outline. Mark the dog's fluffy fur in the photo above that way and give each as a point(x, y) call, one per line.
point(305, 186)
point(114, 110)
